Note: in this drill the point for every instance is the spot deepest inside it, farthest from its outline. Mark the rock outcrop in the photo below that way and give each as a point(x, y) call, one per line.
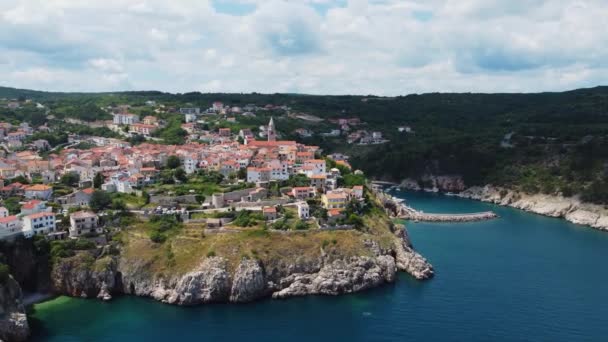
point(569, 208)
point(340, 276)
point(84, 276)
point(213, 280)
point(13, 320)
point(249, 282)
point(408, 260)
point(442, 183)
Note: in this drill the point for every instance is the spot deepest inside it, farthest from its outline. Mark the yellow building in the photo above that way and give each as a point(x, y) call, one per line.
point(334, 200)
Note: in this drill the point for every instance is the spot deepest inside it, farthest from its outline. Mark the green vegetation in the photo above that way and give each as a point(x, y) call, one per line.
point(246, 218)
point(100, 200)
point(173, 132)
point(12, 204)
point(559, 141)
point(160, 228)
point(68, 248)
point(4, 273)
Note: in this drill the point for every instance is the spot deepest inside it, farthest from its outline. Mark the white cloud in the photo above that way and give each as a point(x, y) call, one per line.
point(376, 46)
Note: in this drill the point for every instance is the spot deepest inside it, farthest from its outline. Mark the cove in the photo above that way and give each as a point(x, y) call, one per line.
point(519, 277)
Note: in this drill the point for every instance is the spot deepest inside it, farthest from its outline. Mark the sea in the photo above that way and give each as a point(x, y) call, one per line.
point(521, 277)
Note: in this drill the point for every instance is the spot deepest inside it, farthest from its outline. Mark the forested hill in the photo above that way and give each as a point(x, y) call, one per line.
point(556, 142)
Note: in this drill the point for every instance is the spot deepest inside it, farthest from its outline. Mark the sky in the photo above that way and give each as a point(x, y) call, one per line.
point(381, 47)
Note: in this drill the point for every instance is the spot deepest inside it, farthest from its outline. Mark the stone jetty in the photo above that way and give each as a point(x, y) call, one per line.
point(398, 209)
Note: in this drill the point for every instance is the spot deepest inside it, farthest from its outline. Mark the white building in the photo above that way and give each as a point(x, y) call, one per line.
point(194, 111)
point(84, 222)
point(125, 119)
point(3, 212)
point(39, 191)
point(315, 166)
point(10, 226)
point(190, 164)
point(258, 174)
point(303, 210)
point(217, 106)
point(39, 223)
point(190, 117)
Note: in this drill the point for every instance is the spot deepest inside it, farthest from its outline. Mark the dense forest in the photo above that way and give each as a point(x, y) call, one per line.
point(543, 142)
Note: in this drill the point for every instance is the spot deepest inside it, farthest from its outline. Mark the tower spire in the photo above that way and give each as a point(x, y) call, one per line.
point(272, 134)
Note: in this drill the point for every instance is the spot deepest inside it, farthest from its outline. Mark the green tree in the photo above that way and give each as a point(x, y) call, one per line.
point(173, 162)
point(242, 173)
point(100, 200)
point(98, 180)
point(70, 179)
point(180, 175)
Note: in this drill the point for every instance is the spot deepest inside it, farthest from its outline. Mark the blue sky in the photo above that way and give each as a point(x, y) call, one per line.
point(384, 47)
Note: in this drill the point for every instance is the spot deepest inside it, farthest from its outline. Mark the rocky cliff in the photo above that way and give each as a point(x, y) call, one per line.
point(441, 183)
point(216, 279)
point(13, 321)
point(569, 208)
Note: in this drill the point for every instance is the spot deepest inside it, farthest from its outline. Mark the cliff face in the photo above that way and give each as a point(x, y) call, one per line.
point(13, 321)
point(30, 270)
point(85, 275)
point(215, 280)
point(442, 183)
point(571, 208)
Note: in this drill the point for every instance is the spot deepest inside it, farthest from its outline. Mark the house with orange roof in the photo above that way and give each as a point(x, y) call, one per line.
point(13, 189)
point(303, 192)
point(258, 174)
point(39, 191)
point(79, 198)
point(334, 199)
point(270, 213)
point(317, 166)
point(318, 181)
point(335, 214)
point(34, 206)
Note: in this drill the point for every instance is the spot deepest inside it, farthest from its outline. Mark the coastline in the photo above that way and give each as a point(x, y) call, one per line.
point(571, 209)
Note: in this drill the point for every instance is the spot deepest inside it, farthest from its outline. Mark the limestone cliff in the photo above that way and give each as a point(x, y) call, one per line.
point(569, 208)
point(216, 279)
point(85, 275)
point(13, 321)
point(435, 183)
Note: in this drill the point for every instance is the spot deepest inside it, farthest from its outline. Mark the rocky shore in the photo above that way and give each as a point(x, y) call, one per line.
point(13, 320)
point(213, 280)
point(569, 208)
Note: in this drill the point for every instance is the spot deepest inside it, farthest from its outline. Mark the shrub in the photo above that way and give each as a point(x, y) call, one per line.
point(4, 273)
point(157, 236)
point(301, 225)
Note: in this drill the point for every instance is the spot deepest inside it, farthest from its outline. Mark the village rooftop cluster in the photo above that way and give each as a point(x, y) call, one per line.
point(50, 192)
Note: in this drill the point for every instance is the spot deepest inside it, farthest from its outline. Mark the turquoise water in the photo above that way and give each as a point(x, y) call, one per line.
point(518, 278)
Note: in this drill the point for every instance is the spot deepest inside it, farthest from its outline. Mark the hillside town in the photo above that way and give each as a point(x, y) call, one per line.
point(73, 191)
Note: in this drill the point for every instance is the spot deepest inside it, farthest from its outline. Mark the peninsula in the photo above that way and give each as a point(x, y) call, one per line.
point(191, 215)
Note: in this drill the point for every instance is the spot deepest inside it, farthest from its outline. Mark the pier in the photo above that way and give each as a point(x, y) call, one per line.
point(428, 217)
point(398, 209)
